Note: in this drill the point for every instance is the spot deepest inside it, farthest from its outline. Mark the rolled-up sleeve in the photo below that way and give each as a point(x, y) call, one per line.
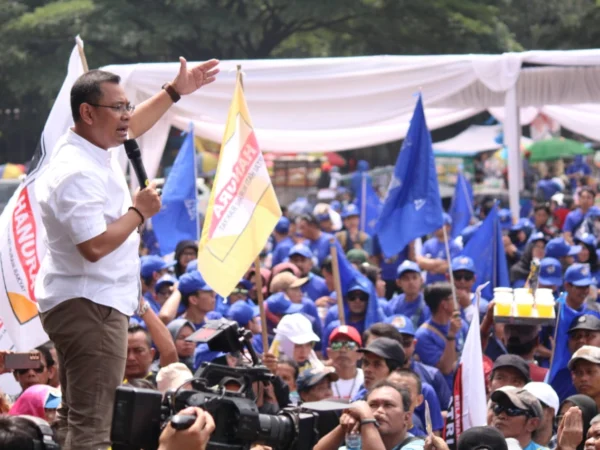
point(79, 206)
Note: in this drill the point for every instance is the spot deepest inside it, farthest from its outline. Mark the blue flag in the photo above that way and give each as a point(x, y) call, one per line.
point(178, 217)
point(350, 276)
point(369, 205)
point(461, 208)
point(413, 207)
point(487, 251)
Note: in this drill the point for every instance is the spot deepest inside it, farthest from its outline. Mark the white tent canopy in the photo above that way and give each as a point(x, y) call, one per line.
point(332, 104)
point(475, 139)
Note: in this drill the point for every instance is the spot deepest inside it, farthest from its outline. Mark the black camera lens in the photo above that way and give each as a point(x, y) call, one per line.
point(275, 431)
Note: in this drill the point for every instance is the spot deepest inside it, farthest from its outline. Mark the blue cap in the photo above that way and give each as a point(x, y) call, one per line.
point(537, 236)
point(242, 313)
point(550, 272)
point(362, 285)
point(283, 226)
point(312, 377)
point(402, 323)
point(407, 266)
point(336, 206)
point(594, 211)
point(447, 219)
point(505, 218)
point(54, 399)
point(192, 282)
point(579, 275)
point(192, 266)
point(350, 211)
point(463, 263)
point(300, 249)
point(522, 224)
point(323, 217)
point(587, 239)
point(153, 263)
point(165, 279)
point(559, 248)
point(205, 354)
point(279, 304)
point(246, 284)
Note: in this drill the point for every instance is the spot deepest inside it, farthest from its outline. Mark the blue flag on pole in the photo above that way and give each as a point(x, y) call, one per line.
point(369, 205)
point(178, 217)
point(413, 207)
point(461, 209)
point(487, 250)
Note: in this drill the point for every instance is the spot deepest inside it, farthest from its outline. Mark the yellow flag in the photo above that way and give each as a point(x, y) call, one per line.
point(243, 208)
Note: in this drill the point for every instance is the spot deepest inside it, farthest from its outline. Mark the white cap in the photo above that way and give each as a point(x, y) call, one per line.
point(173, 376)
point(297, 328)
point(544, 393)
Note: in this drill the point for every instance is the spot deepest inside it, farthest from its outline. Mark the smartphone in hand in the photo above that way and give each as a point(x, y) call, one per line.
point(16, 361)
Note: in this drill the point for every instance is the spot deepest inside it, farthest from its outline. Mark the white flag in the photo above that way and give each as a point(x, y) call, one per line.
point(22, 234)
point(468, 406)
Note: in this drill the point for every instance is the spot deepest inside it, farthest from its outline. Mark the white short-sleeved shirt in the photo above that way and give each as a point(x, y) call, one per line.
point(80, 192)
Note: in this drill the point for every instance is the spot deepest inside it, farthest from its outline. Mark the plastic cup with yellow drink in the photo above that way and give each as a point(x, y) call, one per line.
point(503, 297)
point(544, 303)
point(523, 302)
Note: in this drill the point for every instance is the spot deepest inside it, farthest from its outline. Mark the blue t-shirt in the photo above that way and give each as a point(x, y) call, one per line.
point(573, 220)
point(434, 377)
point(563, 384)
point(280, 253)
point(430, 345)
point(579, 168)
point(436, 249)
point(315, 287)
point(389, 266)
point(417, 310)
point(534, 446)
point(320, 247)
point(437, 421)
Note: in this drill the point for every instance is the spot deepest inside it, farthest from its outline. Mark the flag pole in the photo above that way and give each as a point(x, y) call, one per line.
point(449, 259)
point(261, 304)
point(84, 63)
point(335, 267)
point(363, 203)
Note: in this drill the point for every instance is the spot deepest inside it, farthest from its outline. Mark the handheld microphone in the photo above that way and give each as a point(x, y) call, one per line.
point(132, 149)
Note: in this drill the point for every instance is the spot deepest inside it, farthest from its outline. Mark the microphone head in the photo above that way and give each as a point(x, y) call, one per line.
point(132, 149)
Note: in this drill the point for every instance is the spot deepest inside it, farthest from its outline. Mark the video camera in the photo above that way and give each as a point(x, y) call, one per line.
point(227, 393)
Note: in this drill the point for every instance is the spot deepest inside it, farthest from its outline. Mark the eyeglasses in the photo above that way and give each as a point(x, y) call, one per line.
point(510, 411)
point(464, 276)
point(358, 296)
point(121, 108)
point(24, 371)
point(338, 345)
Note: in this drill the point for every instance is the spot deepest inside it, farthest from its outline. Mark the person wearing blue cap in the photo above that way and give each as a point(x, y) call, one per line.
point(315, 286)
point(192, 266)
point(317, 240)
point(283, 241)
point(505, 220)
point(351, 236)
point(152, 267)
point(560, 249)
point(463, 272)
point(433, 254)
point(519, 234)
point(389, 266)
point(550, 275)
point(588, 254)
point(198, 298)
point(428, 374)
point(411, 302)
point(578, 279)
point(248, 317)
point(576, 217)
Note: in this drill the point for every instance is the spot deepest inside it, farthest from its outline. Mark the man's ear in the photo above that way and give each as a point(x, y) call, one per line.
point(532, 424)
point(51, 371)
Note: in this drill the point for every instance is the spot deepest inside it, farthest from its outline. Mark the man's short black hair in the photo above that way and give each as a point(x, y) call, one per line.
point(309, 219)
point(88, 89)
point(406, 402)
point(370, 271)
point(412, 374)
point(45, 351)
point(435, 294)
point(284, 359)
point(381, 329)
point(543, 207)
point(19, 433)
point(587, 189)
point(136, 328)
point(327, 265)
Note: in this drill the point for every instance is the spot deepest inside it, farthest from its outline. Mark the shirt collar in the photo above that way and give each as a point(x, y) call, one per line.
point(98, 154)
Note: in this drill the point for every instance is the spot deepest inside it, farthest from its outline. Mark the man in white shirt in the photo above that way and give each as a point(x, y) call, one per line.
point(88, 283)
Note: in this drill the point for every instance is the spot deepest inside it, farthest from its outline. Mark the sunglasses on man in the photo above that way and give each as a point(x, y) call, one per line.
point(467, 276)
point(24, 371)
point(348, 345)
point(353, 296)
point(510, 411)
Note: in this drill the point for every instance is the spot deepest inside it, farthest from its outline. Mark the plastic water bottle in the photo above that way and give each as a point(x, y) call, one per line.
point(353, 441)
point(294, 398)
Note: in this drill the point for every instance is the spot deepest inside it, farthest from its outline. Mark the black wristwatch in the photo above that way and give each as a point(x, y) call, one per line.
point(172, 92)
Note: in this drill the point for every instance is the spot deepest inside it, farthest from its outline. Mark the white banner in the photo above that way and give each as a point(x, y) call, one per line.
point(22, 235)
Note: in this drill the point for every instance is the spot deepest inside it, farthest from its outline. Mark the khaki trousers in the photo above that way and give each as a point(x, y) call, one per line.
point(91, 345)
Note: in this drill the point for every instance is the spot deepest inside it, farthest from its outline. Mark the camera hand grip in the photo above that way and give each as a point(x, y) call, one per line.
point(182, 422)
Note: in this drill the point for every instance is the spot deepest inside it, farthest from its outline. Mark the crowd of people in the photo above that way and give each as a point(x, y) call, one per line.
point(398, 350)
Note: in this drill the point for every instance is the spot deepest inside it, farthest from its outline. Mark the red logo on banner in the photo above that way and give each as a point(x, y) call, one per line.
point(24, 233)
